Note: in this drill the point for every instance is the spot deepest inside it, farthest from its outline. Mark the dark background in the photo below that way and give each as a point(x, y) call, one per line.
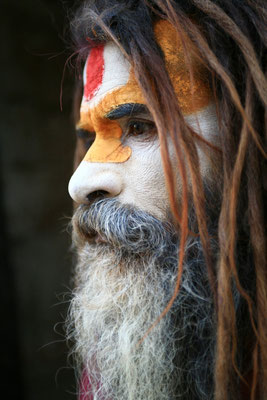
point(36, 142)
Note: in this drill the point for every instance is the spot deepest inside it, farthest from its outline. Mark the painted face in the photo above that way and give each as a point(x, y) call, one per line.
point(108, 83)
point(124, 159)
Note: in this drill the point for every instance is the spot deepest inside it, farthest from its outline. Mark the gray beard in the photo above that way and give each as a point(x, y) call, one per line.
point(122, 286)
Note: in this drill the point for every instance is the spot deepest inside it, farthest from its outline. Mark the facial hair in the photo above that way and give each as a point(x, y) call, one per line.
point(125, 275)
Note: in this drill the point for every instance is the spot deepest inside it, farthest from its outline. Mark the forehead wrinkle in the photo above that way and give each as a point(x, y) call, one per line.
point(95, 121)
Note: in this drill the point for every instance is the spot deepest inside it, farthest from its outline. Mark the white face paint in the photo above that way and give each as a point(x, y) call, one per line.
point(140, 180)
point(103, 62)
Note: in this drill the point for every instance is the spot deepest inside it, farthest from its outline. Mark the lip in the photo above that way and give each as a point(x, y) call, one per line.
point(100, 239)
point(97, 238)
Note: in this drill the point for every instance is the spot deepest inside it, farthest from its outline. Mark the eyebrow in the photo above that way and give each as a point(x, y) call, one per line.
point(127, 110)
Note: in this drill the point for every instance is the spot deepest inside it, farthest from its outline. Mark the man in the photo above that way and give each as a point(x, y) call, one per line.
point(170, 298)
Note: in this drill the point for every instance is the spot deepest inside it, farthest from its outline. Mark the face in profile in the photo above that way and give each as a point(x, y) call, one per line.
point(127, 245)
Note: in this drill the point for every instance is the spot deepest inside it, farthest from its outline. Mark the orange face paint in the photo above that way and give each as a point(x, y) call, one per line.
point(192, 95)
point(109, 82)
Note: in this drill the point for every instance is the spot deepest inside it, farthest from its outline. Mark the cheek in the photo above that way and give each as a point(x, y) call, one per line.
point(143, 176)
point(145, 183)
point(205, 123)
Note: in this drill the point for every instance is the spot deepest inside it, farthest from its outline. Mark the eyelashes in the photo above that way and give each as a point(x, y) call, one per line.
point(139, 127)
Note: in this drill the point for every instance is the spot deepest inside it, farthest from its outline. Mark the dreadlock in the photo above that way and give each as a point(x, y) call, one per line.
point(231, 37)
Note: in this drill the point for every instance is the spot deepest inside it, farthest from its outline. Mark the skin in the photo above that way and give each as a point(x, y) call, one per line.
point(124, 160)
point(137, 181)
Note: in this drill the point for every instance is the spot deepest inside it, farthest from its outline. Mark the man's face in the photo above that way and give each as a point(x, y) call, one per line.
point(124, 159)
point(126, 245)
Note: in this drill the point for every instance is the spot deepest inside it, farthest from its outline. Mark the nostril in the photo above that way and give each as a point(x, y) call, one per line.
point(97, 194)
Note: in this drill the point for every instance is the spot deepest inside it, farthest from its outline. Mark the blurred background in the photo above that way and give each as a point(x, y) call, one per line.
point(36, 151)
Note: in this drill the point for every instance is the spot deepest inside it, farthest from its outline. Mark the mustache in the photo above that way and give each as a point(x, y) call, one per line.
point(123, 226)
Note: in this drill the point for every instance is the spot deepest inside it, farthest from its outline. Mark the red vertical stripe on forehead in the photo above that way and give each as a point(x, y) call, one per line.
point(94, 72)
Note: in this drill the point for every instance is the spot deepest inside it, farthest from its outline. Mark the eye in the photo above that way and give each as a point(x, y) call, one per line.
point(86, 137)
point(139, 127)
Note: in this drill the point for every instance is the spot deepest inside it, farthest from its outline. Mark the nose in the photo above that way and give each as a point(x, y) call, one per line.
point(94, 180)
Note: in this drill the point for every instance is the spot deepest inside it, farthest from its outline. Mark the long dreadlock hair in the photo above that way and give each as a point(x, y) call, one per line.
point(231, 37)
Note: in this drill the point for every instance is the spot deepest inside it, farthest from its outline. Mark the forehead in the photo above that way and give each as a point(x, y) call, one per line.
point(109, 78)
point(108, 71)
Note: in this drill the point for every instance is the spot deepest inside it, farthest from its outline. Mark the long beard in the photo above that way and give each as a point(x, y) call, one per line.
point(123, 285)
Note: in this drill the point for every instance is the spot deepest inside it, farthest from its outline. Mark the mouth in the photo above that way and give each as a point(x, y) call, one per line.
point(100, 239)
point(96, 238)
point(88, 233)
